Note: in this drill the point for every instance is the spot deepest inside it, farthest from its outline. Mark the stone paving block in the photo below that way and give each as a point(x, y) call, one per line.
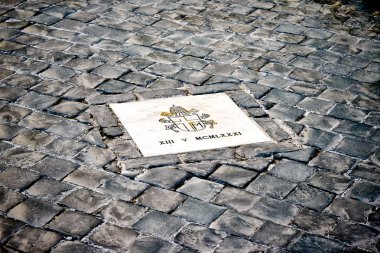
point(200, 189)
point(231, 243)
point(158, 176)
point(192, 62)
point(13, 114)
point(163, 69)
point(310, 197)
point(162, 93)
point(272, 129)
point(237, 199)
point(16, 178)
point(277, 211)
point(159, 224)
point(233, 175)
point(247, 75)
point(319, 138)
point(8, 227)
point(109, 71)
point(122, 213)
point(312, 243)
point(243, 99)
point(237, 224)
point(58, 73)
point(303, 155)
point(23, 81)
point(284, 112)
point(84, 200)
point(199, 238)
point(349, 209)
point(87, 80)
point(75, 246)
point(34, 212)
point(115, 86)
point(355, 148)
point(68, 108)
point(198, 211)
point(122, 187)
point(103, 116)
point(47, 188)
point(113, 237)
point(266, 184)
point(149, 244)
point(11, 93)
point(315, 222)
point(292, 171)
point(318, 121)
point(365, 191)
point(34, 239)
point(95, 156)
point(191, 76)
point(273, 234)
point(315, 105)
point(355, 234)
point(73, 223)
point(9, 199)
point(330, 182)
point(82, 64)
point(33, 139)
point(136, 166)
point(366, 103)
point(88, 177)
point(54, 167)
point(366, 171)
point(200, 169)
point(346, 112)
point(68, 128)
point(282, 97)
point(337, 82)
point(208, 155)
point(39, 120)
point(305, 88)
point(332, 161)
point(337, 96)
point(160, 199)
point(8, 132)
point(21, 157)
point(354, 129)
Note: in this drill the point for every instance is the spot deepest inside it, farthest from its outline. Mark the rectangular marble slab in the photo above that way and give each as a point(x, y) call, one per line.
point(188, 123)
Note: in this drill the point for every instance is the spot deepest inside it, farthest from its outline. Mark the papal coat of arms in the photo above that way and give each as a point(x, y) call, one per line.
point(180, 119)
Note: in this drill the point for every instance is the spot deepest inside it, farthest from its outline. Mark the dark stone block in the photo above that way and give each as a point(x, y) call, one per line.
point(74, 223)
point(159, 224)
point(316, 244)
point(310, 197)
point(198, 211)
point(34, 239)
point(315, 222)
point(199, 238)
point(34, 212)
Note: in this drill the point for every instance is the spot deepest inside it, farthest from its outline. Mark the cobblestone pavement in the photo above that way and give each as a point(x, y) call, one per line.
point(72, 180)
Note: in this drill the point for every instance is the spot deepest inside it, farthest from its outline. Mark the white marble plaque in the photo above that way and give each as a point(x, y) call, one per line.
point(188, 123)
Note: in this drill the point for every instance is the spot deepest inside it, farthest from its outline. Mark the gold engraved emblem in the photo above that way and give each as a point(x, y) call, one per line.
point(180, 119)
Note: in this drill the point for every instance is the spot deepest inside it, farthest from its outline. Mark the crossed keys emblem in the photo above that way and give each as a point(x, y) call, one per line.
point(180, 119)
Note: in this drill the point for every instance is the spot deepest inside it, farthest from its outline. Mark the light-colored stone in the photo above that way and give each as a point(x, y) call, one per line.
point(188, 123)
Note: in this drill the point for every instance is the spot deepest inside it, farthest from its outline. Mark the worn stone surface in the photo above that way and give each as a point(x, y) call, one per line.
point(73, 180)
